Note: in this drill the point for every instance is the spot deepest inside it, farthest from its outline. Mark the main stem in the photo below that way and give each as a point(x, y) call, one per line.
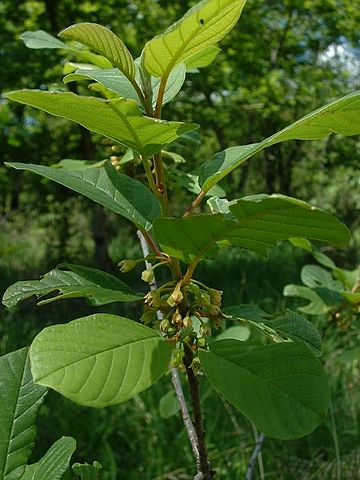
point(204, 470)
point(204, 466)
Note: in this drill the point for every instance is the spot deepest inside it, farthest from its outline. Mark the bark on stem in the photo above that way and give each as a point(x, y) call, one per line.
point(175, 378)
point(205, 471)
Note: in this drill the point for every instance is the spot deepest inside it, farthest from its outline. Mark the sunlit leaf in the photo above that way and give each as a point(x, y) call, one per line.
point(72, 281)
point(115, 191)
point(99, 360)
point(255, 223)
point(118, 119)
point(204, 25)
point(341, 116)
point(102, 40)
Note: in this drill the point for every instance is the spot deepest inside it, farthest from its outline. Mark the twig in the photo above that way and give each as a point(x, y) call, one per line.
point(175, 378)
point(254, 456)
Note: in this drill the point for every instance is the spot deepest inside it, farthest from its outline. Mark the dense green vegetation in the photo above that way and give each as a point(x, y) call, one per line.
point(280, 63)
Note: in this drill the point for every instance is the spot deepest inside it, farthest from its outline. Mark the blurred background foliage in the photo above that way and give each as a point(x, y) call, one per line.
point(283, 60)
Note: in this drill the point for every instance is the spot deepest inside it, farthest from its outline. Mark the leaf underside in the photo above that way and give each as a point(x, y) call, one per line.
point(99, 360)
point(72, 281)
point(282, 387)
point(341, 116)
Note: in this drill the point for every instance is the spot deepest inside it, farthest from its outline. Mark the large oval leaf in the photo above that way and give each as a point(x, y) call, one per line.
point(341, 116)
point(103, 41)
point(99, 360)
point(115, 191)
point(201, 27)
point(72, 281)
point(20, 400)
point(118, 119)
point(282, 387)
point(257, 223)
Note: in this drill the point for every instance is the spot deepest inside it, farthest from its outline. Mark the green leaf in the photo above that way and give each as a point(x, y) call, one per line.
point(282, 388)
point(191, 183)
point(169, 405)
point(309, 247)
point(341, 116)
point(316, 306)
point(99, 360)
point(72, 281)
point(247, 312)
point(20, 400)
point(86, 471)
point(255, 223)
point(118, 119)
point(102, 40)
point(54, 463)
point(298, 329)
point(173, 85)
point(115, 191)
point(314, 276)
point(41, 39)
point(202, 26)
point(202, 59)
point(235, 333)
point(111, 78)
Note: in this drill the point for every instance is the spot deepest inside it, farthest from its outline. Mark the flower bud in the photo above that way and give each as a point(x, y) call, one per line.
point(164, 325)
point(152, 299)
point(187, 322)
point(148, 275)
point(215, 297)
point(196, 365)
point(127, 265)
point(201, 342)
point(177, 319)
point(205, 330)
point(175, 298)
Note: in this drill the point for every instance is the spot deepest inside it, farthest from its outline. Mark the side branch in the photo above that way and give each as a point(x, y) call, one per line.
point(194, 204)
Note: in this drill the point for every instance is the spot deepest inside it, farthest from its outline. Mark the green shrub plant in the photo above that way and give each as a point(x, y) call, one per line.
point(266, 365)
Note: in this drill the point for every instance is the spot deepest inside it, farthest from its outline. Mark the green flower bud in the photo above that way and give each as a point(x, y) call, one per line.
point(187, 322)
point(127, 265)
point(148, 275)
point(215, 297)
point(196, 365)
point(205, 330)
point(177, 319)
point(175, 298)
point(164, 325)
point(201, 342)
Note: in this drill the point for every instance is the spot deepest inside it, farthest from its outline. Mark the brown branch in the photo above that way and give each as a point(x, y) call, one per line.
point(205, 471)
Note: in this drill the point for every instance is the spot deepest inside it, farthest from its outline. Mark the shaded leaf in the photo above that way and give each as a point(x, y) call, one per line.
point(298, 329)
point(316, 306)
point(282, 388)
point(72, 281)
point(102, 40)
point(42, 39)
point(202, 26)
point(255, 223)
point(99, 360)
point(118, 119)
point(20, 400)
point(169, 405)
point(111, 78)
point(115, 191)
point(341, 116)
point(87, 472)
point(54, 463)
point(314, 276)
